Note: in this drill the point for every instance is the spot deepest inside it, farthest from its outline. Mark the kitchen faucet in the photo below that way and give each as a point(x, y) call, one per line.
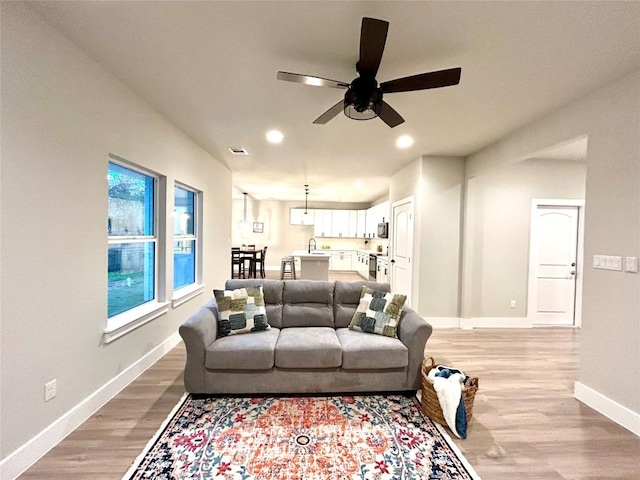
point(315, 245)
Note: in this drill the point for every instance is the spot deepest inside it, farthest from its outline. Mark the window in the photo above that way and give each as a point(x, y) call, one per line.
point(132, 229)
point(185, 237)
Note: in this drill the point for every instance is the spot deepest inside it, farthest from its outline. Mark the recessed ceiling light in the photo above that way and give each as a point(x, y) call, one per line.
point(405, 141)
point(358, 184)
point(274, 136)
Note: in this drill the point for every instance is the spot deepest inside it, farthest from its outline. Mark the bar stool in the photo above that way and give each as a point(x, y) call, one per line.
point(291, 272)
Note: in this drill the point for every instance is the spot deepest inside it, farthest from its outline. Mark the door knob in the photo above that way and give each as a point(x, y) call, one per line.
point(573, 272)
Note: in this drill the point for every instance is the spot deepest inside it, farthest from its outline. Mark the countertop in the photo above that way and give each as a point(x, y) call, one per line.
point(319, 253)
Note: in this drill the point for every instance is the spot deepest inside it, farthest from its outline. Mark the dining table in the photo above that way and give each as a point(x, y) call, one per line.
point(249, 254)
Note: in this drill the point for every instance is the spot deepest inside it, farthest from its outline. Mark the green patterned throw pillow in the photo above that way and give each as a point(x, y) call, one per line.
point(378, 312)
point(241, 311)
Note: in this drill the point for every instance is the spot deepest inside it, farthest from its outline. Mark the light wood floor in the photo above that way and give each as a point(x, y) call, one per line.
point(526, 424)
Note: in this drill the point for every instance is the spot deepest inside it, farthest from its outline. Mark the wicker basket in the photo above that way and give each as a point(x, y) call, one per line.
point(430, 405)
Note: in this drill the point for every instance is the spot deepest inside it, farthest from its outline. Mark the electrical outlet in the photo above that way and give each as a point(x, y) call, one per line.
point(513, 304)
point(50, 390)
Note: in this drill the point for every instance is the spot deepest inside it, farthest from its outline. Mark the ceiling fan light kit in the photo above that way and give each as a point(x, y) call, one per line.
point(363, 98)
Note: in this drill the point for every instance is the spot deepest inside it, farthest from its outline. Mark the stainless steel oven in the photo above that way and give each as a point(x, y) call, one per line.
point(373, 267)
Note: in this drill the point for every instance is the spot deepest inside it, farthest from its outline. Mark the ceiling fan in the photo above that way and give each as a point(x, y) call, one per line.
point(363, 98)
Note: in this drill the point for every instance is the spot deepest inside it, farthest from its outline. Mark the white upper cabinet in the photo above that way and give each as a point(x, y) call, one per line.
point(361, 216)
point(323, 221)
point(342, 223)
point(375, 215)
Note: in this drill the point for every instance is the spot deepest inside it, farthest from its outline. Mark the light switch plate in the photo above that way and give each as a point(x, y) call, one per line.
point(607, 262)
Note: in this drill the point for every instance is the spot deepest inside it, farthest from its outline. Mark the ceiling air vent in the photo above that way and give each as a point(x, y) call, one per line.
point(238, 151)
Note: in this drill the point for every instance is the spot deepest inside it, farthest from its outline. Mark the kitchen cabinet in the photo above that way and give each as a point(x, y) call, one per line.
point(322, 223)
point(341, 260)
point(343, 224)
point(336, 223)
point(362, 264)
point(375, 215)
point(361, 216)
point(300, 216)
point(383, 270)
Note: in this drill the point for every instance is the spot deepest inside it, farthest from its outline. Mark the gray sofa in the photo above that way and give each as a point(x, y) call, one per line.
point(309, 347)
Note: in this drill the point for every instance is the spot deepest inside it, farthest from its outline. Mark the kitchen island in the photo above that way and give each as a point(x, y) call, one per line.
point(314, 265)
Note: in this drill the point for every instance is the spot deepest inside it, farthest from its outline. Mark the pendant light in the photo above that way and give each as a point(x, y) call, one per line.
point(306, 198)
point(245, 207)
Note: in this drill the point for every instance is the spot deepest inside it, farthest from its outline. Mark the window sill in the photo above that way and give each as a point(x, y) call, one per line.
point(185, 294)
point(130, 320)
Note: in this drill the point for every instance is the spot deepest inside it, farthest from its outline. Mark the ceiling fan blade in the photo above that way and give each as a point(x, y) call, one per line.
point(310, 80)
point(373, 36)
point(423, 81)
point(388, 115)
point(329, 114)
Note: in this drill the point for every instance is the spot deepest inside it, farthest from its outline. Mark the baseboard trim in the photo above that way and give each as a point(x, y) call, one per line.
point(444, 322)
point(495, 322)
point(24, 457)
point(611, 409)
point(479, 322)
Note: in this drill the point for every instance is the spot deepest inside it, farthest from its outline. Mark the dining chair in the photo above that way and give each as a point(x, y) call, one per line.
point(260, 259)
point(250, 258)
point(237, 260)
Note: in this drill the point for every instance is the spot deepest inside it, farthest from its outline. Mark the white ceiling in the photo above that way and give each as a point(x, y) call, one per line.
point(210, 68)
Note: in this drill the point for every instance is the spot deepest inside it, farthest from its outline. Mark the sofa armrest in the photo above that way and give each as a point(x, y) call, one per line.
point(198, 332)
point(414, 331)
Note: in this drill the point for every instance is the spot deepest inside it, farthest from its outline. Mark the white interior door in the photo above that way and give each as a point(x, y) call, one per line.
point(402, 248)
point(552, 300)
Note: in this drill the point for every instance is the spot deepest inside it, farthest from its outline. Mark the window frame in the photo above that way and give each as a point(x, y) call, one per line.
point(130, 319)
point(187, 292)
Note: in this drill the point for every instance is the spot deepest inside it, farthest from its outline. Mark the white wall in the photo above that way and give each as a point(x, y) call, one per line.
point(442, 183)
point(437, 185)
point(610, 337)
point(497, 232)
point(62, 114)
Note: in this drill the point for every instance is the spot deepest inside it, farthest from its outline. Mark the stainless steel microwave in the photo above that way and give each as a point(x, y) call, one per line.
point(383, 230)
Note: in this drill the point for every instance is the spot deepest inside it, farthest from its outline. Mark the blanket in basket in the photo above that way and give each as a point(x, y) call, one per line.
point(448, 383)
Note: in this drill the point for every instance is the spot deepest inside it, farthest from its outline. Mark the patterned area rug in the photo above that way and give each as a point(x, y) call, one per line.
point(300, 438)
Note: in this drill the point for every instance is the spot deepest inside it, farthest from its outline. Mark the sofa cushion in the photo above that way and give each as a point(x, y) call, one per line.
point(308, 347)
point(243, 352)
point(378, 312)
point(346, 298)
point(272, 296)
point(361, 351)
point(307, 303)
point(241, 311)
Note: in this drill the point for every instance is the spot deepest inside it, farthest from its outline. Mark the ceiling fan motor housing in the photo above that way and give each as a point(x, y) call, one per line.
point(362, 98)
